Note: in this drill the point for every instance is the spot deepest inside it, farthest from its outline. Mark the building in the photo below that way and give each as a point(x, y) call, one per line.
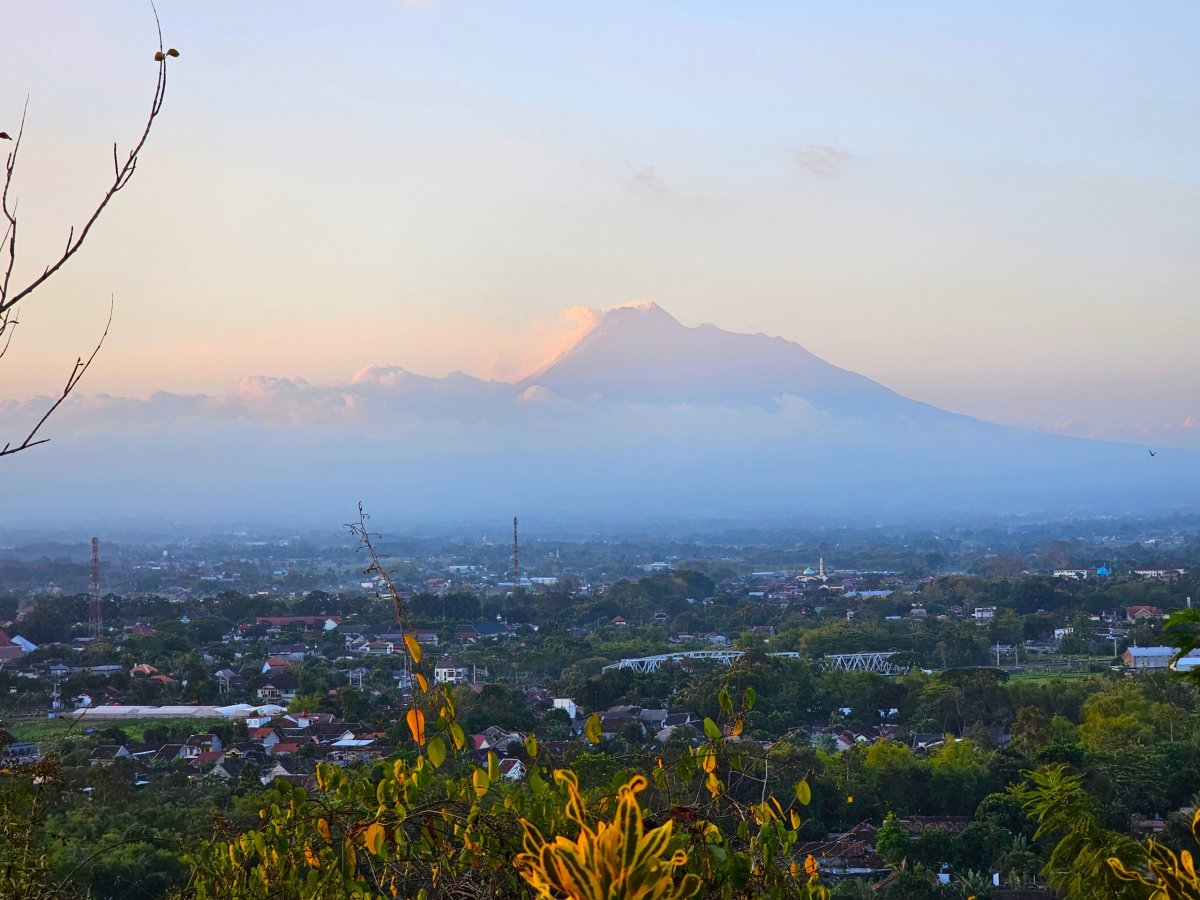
point(279, 688)
point(447, 671)
point(1142, 613)
point(1148, 658)
point(9, 649)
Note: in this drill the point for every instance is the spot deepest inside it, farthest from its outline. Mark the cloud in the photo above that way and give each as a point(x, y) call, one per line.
point(822, 160)
point(539, 344)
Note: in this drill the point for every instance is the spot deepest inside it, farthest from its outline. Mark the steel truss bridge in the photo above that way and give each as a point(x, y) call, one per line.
point(879, 663)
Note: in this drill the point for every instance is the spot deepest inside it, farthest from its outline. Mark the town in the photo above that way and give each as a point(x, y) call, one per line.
point(215, 669)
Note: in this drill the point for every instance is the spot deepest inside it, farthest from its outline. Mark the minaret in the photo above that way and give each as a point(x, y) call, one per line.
point(821, 568)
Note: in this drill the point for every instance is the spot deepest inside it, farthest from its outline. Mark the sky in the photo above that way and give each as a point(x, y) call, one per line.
point(991, 208)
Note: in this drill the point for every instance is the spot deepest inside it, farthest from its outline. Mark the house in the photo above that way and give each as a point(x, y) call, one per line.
point(9, 649)
point(512, 769)
point(199, 744)
point(206, 759)
point(1143, 658)
point(265, 737)
point(1142, 614)
point(167, 754)
point(984, 613)
point(143, 669)
point(107, 754)
point(567, 705)
point(228, 769)
point(280, 687)
point(447, 671)
point(469, 634)
point(496, 738)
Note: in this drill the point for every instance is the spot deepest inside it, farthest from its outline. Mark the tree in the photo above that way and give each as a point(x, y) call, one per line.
point(14, 293)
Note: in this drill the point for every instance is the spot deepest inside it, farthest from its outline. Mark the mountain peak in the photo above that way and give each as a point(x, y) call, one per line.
point(642, 354)
point(641, 314)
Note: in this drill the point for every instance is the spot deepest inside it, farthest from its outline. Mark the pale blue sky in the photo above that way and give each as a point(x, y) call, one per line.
point(992, 207)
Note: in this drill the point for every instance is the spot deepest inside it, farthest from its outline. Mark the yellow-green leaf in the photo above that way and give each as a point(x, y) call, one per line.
point(712, 730)
point(592, 729)
point(414, 648)
point(457, 735)
point(436, 751)
point(803, 792)
point(531, 746)
point(480, 780)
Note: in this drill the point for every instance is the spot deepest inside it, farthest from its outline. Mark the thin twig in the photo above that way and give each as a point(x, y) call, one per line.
point(77, 372)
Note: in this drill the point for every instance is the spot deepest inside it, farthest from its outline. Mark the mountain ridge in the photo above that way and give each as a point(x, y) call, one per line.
point(643, 354)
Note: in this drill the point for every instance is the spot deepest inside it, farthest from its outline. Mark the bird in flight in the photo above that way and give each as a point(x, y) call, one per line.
point(1152, 453)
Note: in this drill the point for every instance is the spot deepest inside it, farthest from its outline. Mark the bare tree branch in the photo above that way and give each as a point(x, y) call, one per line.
point(10, 294)
point(77, 372)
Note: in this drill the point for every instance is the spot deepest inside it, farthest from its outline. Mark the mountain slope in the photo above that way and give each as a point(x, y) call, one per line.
point(641, 354)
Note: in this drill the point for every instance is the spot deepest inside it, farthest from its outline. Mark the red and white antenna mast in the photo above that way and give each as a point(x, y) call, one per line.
point(95, 620)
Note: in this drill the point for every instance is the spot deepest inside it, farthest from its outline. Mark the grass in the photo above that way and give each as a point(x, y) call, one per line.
point(50, 730)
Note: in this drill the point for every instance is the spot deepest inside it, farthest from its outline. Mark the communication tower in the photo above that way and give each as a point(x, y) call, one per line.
point(516, 557)
point(95, 620)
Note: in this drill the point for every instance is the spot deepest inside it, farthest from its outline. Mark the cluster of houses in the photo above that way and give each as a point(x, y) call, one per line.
point(287, 746)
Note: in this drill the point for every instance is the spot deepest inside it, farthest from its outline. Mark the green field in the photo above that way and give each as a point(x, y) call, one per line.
point(49, 730)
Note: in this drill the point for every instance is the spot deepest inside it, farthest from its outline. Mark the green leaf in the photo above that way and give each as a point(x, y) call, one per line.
point(592, 729)
point(748, 697)
point(537, 784)
point(803, 792)
point(437, 752)
point(531, 746)
point(724, 702)
point(712, 730)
